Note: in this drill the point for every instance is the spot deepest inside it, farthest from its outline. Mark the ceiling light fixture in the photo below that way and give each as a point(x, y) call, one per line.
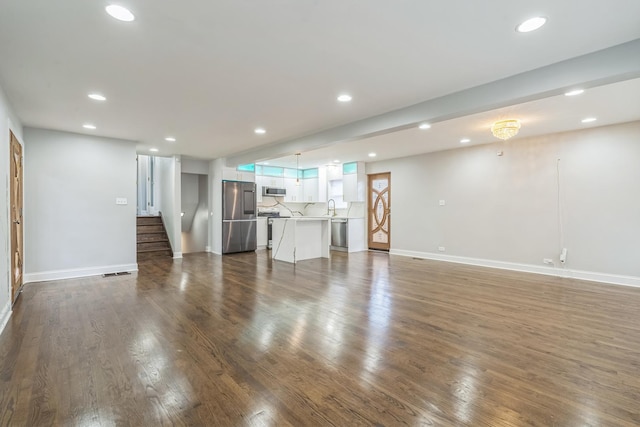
point(155, 150)
point(336, 161)
point(298, 169)
point(344, 98)
point(89, 126)
point(589, 120)
point(170, 139)
point(574, 92)
point(465, 140)
point(260, 131)
point(424, 126)
point(531, 24)
point(372, 154)
point(97, 97)
point(120, 13)
point(505, 129)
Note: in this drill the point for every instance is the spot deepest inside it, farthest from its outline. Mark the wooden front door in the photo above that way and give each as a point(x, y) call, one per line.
point(379, 211)
point(15, 188)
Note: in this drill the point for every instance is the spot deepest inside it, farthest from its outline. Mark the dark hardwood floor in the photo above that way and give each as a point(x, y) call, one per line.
point(361, 339)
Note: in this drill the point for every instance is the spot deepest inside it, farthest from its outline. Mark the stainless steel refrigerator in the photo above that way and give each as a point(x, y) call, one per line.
point(238, 217)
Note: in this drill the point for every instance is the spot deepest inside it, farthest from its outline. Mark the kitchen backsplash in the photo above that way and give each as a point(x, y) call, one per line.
point(354, 209)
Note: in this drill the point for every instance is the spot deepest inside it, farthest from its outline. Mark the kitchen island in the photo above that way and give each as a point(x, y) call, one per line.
point(299, 238)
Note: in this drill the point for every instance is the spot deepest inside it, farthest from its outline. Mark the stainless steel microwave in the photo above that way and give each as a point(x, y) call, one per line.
point(271, 191)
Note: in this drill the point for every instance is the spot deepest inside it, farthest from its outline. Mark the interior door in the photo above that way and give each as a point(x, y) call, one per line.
point(15, 188)
point(379, 211)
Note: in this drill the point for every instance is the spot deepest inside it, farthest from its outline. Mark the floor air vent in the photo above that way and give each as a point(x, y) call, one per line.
point(122, 273)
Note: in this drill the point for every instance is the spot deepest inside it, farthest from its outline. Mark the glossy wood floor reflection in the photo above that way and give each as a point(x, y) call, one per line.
point(361, 339)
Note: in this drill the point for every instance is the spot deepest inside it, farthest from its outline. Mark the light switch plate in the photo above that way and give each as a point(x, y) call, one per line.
point(442, 202)
point(121, 200)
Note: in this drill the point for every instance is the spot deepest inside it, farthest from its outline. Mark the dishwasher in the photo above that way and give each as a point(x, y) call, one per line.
point(339, 236)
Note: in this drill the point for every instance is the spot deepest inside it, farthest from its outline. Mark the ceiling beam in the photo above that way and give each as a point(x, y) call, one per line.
point(611, 65)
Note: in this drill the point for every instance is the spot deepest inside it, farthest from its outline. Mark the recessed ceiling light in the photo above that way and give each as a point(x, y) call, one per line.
point(265, 163)
point(89, 126)
point(531, 24)
point(260, 131)
point(170, 139)
point(425, 126)
point(120, 13)
point(344, 98)
point(574, 92)
point(589, 120)
point(155, 150)
point(336, 161)
point(97, 97)
point(465, 140)
point(372, 154)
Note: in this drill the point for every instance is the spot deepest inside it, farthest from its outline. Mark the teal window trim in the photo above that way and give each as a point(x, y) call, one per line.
point(251, 167)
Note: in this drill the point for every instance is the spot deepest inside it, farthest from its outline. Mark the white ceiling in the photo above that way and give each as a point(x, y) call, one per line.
point(208, 73)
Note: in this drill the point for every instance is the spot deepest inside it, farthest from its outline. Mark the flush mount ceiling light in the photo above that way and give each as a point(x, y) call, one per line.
point(531, 24)
point(505, 129)
point(424, 126)
point(344, 98)
point(589, 120)
point(260, 131)
point(89, 126)
point(170, 139)
point(155, 150)
point(336, 161)
point(120, 13)
point(97, 97)
point(465, 141)
point(574, 92)
point(372, 154)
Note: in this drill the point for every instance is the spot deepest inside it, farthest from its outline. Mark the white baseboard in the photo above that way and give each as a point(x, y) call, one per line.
point(527, 268)
point(46, 276)
point(207, 248)
point(177, 255)
point(5, 314)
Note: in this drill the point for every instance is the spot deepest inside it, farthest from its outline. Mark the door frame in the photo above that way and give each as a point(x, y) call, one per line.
point(370, 243)
point(16, 214)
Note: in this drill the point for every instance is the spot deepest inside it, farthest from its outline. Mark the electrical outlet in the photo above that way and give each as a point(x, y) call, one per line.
point(441, 248)
point(547, 261)
point(121, 201)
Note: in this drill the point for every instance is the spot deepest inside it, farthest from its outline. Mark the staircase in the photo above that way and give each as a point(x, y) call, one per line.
point(152, 238)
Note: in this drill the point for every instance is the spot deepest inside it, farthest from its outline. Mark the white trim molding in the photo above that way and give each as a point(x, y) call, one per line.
point(47, 276)
point(5, 314)
point(527, 268)
point(177, 255)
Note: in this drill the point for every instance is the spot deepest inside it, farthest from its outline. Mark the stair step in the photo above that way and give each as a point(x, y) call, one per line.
point(142, 229)
point(152, 237)
point(148, 220)
point(143, 246)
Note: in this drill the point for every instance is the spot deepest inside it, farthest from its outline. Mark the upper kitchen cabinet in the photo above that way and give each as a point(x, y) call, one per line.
point(354, 182)
point(293, 185)
point(241, 173)
point(314, 183)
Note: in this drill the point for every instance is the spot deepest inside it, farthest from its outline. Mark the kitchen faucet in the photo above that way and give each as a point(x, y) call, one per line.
point(329, 207)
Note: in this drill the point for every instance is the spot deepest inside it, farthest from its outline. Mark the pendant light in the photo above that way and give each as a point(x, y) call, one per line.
point(298, 169)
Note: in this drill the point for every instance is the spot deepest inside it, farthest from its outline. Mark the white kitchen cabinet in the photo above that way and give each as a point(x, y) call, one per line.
point(354, 182)
point(231, 174)
point(311, 190)
point(262, 233)
point(334, 172)
point(294, 190)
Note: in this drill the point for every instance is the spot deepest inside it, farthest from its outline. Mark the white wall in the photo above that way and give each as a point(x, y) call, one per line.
point(503, 211)
point(195, 166)
point(196, 212)
point(169, 171)
point(215, 205)
point(8, 121)
point(73, 226)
